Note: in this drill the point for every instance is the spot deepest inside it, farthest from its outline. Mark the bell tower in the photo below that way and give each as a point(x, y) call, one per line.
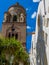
point(14, 23)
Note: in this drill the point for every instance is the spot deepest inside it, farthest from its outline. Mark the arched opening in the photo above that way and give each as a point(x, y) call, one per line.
point(9, 35)
point(16, 36)
point(15, 18)
point(13, 35)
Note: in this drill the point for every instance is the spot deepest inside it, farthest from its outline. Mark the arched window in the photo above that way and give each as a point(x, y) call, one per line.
point(9, 35)
point(13, 35)
point(15, 18)
point(16, 36)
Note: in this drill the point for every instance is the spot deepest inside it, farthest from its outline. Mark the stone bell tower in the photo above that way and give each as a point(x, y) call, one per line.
point(14, 23)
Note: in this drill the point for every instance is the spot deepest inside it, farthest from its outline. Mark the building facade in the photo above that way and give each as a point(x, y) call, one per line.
point(40, 40)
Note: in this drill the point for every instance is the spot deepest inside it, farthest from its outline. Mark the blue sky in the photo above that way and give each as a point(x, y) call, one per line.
point(31, 7)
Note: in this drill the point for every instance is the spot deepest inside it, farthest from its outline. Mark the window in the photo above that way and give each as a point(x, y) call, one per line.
point(9, 35)
point(12, 34)
point(14, 18)
point(16, 36)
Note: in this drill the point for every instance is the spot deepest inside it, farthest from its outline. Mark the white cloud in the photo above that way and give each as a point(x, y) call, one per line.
point(28, 27)
point(27, 9)
point(33, 15)
point(36, 0)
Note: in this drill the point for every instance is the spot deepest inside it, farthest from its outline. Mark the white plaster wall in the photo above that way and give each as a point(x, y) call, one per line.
point(47, 5)
point(45, 29)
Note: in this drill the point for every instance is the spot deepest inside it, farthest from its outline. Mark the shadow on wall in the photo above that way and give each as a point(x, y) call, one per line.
point(40, 46)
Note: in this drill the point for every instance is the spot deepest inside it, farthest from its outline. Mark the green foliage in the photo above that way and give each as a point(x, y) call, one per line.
point(7, 42)
point(9, 47)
